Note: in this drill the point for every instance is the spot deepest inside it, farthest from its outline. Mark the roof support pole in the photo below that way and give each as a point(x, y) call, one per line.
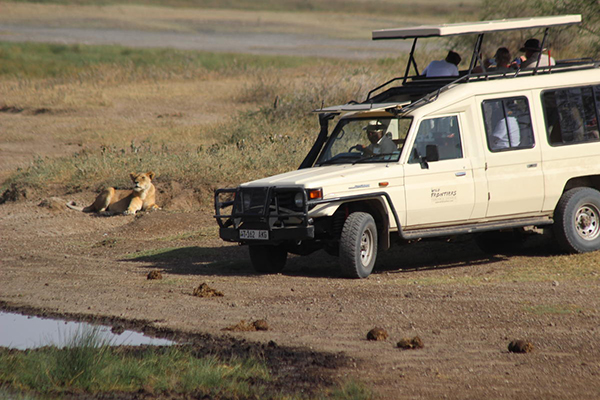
point(539, 58)
point(411, 60)
point(476, 51)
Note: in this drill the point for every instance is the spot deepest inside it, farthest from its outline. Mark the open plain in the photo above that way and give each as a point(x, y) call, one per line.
point(465, 306)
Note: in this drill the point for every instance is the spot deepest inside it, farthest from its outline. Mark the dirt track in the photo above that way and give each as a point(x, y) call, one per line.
point(451, 295)
point(251, 43)
point(464, 305)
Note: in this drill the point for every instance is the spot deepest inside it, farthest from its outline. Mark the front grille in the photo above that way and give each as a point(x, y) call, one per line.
point(251, 201)
point(269, 208)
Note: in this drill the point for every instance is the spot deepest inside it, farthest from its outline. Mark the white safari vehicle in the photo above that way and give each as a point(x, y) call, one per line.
point(478, 153)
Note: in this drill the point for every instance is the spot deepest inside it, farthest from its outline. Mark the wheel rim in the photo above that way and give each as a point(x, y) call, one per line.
point(366, 247)
point(587, 222)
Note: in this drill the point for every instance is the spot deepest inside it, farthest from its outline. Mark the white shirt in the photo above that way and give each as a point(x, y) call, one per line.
point(440, 68)
point(531, 62)
point(500, 136)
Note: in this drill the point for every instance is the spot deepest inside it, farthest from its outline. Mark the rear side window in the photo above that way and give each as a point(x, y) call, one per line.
point(572, 115)
point(508, 124)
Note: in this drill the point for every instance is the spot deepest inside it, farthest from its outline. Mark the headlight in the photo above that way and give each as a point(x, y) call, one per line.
point(299, 200)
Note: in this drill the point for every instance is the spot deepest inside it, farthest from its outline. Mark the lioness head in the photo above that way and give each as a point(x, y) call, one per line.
point(142, 182)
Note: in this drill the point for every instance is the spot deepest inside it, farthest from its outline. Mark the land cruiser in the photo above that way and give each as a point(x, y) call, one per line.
point(478, 153)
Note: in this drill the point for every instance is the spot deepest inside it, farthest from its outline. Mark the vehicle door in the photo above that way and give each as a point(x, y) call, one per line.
point(513, 160)
point(438, 177)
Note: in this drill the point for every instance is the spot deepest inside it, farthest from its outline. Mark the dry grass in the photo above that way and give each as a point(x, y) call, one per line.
point(342, 19)
point(204, 127)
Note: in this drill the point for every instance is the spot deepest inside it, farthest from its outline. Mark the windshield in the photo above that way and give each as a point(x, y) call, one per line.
point(365, 141)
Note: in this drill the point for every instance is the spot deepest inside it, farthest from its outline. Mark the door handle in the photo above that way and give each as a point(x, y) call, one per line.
point(532, 165)
point(462, 173)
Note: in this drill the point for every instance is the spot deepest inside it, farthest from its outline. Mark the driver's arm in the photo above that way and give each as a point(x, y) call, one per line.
point(364, 149)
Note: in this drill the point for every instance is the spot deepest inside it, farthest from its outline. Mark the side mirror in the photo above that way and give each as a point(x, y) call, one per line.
point(422, 160)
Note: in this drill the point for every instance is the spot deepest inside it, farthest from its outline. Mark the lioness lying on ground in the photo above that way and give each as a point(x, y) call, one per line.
point(127, 202)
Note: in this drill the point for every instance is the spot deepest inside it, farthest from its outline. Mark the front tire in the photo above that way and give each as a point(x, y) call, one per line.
point(577, 220)
point(267, 259)
point(358, 245)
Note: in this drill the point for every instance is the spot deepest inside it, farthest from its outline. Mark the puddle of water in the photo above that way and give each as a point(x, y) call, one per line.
point(25, 332)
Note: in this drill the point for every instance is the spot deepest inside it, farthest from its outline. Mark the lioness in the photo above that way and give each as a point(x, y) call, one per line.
point(127, 202)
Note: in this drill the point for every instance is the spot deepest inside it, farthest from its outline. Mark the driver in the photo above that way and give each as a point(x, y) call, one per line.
point(380, 143)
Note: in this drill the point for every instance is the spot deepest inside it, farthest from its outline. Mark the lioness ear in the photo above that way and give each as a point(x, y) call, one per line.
point(150, 175)
point(132, 176)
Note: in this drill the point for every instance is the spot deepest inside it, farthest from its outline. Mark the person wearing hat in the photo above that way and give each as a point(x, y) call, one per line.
point(380, 143)
point(446, 67)
point(532, 50)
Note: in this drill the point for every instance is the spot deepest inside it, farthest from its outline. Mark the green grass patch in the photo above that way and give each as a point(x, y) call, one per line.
point(439, 280)
point(271, 137)
point(81, 62)
point(86, 365)
point(582, 267)
point(557, 309)
point(168, 282)
point(204, 232)
point(170, 253)
point(93, 367)
point(235, 265)
point(390, 7)
point(8, 395)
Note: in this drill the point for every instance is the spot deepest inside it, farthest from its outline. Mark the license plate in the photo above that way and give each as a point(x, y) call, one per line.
point(254, 234)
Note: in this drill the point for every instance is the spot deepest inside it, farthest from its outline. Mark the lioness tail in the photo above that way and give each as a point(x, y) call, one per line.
point(72, 206)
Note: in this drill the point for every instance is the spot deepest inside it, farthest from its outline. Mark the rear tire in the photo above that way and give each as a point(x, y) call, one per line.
point(358, 245)
point(267, 259)
point(577, 220)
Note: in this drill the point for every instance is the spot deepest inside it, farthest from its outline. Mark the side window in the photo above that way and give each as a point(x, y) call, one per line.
point(572, 115)
point(437, 139)
point(508, 124)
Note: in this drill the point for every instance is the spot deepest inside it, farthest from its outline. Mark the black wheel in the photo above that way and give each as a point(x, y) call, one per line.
point(358, 245)
point(267, 259)
point(500, 242)
point(577, 220)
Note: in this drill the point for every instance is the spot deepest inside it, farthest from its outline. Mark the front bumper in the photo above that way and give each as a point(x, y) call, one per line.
point(272, 211)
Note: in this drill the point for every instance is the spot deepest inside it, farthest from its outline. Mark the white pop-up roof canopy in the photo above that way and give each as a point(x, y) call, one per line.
point(476, 27)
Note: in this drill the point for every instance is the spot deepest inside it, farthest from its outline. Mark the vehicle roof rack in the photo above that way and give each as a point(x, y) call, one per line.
point(476, 27)
point(416, 90)
point(479, 28)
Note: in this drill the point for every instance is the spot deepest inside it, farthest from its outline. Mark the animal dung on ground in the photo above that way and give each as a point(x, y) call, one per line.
point(377, 334)
point(520, 346)
point(155, 274)
point(410, 344)
point(261, 325)
point(206, 291)
point(243, 326)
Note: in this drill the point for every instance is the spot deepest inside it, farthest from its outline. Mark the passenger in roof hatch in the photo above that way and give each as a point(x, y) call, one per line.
point(499, 63)
point(532, 49)
point(447, 67)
